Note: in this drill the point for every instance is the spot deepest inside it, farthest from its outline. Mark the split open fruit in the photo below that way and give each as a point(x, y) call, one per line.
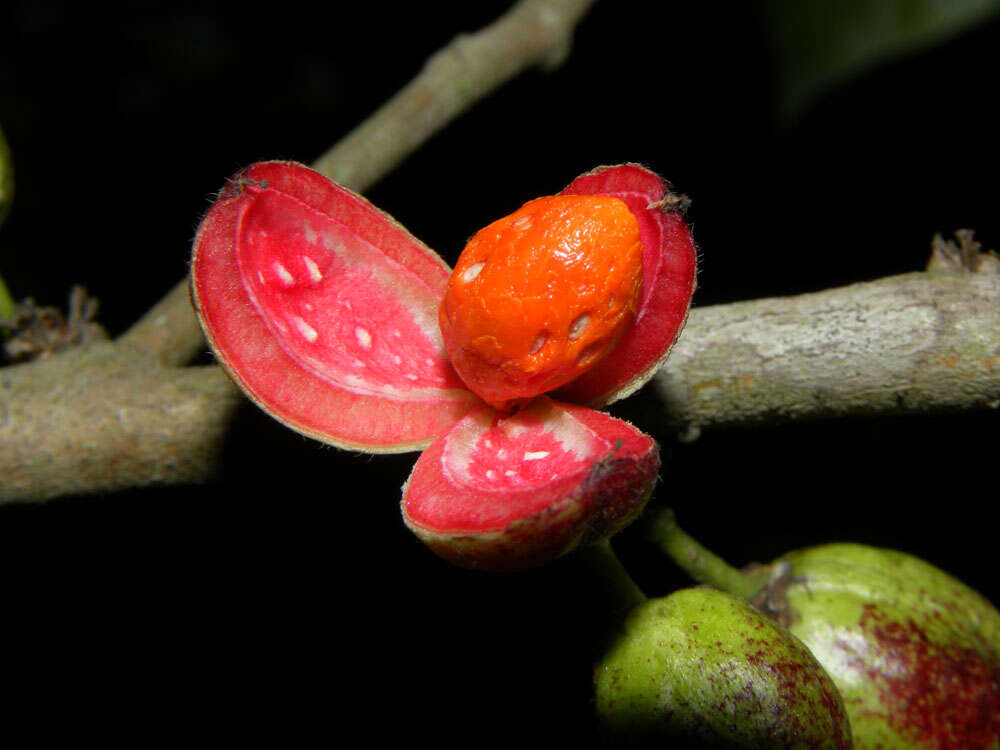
point(325, 311)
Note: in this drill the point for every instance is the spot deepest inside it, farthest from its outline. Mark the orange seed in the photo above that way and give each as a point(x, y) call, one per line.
point(542, 295)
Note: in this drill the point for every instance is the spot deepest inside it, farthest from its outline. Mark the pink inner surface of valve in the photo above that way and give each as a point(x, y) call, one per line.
point(337, 305)
point(525, 451)
point(489, 471)
point(669, 261)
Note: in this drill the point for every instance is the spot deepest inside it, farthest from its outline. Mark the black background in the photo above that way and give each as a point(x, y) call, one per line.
point(287, 600)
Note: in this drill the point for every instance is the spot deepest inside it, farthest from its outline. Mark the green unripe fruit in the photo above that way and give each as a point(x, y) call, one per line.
point(914, 652)
point(702, 667)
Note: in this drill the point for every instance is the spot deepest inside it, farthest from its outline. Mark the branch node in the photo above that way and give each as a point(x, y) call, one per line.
point(966, 254)
point(37, 331)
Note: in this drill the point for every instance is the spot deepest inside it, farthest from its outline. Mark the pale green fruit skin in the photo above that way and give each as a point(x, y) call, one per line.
point(702, 668)
point(914, 652)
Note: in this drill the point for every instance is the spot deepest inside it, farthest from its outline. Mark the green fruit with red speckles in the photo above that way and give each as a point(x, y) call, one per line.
point(701, 667)
point(914, 652)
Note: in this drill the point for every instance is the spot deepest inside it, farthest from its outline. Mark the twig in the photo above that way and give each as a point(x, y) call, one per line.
point(919, 342)
point(96, 417)
point(531, 33)
point(915, 343)
point(111, 415)
point(117, 415)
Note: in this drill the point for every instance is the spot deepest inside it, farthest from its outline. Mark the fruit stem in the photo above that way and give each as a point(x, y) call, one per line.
point(604, 565)
point(697, 561)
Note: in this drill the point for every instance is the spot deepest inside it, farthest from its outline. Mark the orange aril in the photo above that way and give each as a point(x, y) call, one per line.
point(540, 296)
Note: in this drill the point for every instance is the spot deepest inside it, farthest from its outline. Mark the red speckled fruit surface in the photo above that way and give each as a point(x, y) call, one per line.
point(914, 652)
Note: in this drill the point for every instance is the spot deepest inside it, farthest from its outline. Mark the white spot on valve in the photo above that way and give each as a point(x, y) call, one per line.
point(307, 331)
point(314, 273)
point(472, 271)
point(364, 337)
point(491, 474)
point(535, 455)
point(411, 376)
point(510, 473)
point(260, 275)
point(397, 359)
point(523, 223)
point(283, 274)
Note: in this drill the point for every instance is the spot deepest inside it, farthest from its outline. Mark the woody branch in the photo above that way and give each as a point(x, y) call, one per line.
point(124, 413)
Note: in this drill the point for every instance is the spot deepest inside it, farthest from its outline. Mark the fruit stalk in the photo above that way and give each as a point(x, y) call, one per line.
point(608, 572)
point(698, 562)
